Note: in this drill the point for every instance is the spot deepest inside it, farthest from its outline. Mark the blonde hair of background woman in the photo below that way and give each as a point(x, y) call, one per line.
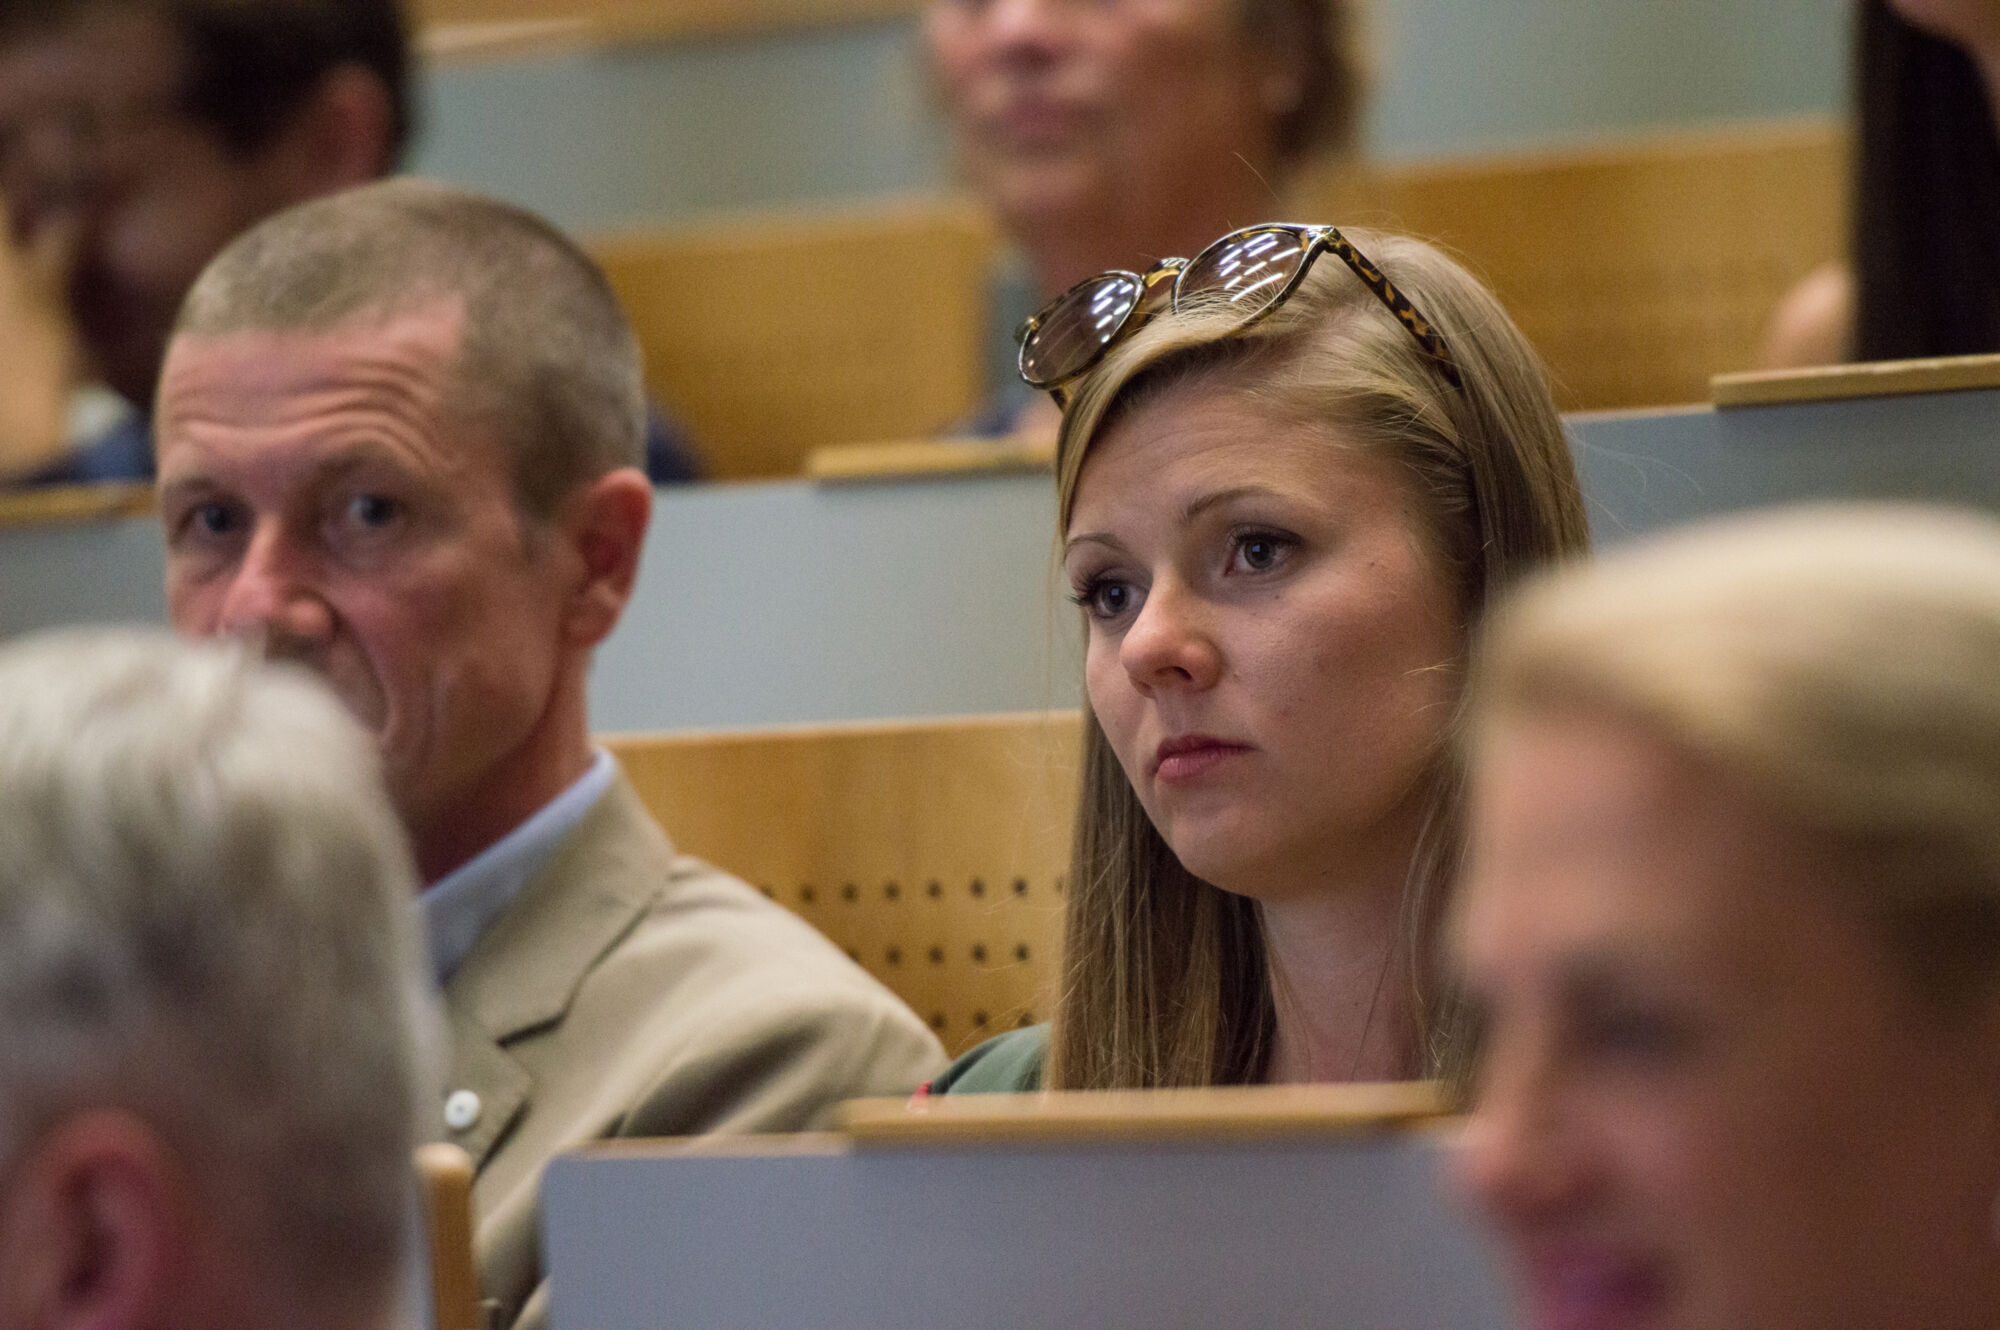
point(1842, 661)
point(1164, 977)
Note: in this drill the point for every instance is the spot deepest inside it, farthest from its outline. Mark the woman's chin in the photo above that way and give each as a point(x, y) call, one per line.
point(1228, 861)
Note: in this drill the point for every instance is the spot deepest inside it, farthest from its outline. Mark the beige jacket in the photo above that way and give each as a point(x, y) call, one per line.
point(631, 991)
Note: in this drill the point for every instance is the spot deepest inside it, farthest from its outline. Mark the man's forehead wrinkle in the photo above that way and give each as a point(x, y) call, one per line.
point(242, 374)
point(328, 416)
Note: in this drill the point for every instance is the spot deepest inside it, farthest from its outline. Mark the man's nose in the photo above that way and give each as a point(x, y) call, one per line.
point(272, 598)
point(1171, 643)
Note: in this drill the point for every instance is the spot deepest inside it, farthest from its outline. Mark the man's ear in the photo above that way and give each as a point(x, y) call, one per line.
point(342, 136)
point(605, 524)
point(90, 1226)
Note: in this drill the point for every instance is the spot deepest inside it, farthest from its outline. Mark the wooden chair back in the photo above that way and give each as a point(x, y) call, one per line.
point(444, 1186)
point(768, 337)
point(1638, 269)
point(932, 851)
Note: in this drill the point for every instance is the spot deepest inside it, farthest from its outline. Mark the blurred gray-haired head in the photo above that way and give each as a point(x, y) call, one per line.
point(206, 920)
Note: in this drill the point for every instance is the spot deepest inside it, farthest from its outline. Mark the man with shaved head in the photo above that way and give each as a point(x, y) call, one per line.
point(400, 432)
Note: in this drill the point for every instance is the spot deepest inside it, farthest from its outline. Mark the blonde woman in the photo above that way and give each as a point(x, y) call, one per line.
point(1289, 481)
point(1731, 928)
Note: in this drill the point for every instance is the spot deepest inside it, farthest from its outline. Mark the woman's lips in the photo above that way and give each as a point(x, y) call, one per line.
point(1026, 123)
point(1192, 756)
point(1589, 1289)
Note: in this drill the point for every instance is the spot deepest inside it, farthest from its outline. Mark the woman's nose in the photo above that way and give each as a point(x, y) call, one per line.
point(1015, 26)
point(1171, 642)
point(1518, 1158)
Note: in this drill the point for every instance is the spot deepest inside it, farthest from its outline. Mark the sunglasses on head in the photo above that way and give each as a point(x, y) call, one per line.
point(1254, 270)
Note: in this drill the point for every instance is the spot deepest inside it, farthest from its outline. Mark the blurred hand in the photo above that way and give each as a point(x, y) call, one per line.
point(40, 364)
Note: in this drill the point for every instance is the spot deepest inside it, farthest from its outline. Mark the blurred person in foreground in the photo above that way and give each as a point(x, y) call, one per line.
point(214, 1023)
point(1731, 928)
point(400, 439)
point(1923, 273)
point(137, 138)
point(1112, 133)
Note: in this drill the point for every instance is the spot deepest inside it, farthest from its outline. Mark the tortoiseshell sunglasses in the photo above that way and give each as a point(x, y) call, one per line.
point(1255, 268)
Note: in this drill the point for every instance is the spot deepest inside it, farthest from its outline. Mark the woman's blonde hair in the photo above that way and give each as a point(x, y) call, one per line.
point(1165, 981)
point(1842, 662)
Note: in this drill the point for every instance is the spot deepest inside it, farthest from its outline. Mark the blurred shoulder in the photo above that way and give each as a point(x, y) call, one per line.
point(1813, 324)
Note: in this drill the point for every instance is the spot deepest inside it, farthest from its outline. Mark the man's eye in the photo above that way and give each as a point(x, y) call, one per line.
point(213, 519)
point(372, 510)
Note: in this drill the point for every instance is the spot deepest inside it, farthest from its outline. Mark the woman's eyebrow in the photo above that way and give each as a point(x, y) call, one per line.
point(1104, 538)
point(1202, 503)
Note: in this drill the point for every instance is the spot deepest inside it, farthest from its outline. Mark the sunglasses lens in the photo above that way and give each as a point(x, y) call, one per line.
point(1075, 329)
point(1249, 269)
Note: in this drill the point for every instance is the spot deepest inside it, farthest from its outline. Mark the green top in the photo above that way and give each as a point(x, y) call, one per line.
point(1005, 1064)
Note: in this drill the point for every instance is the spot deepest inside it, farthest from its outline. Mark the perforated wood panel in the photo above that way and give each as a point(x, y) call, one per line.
point(931, 851)
point(1637, 269)
point(770, 337)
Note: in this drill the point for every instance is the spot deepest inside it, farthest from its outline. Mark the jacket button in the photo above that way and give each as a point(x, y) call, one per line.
point(461, 1110)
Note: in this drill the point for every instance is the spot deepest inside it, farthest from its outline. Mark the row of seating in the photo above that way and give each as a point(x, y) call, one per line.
point(874, 324)
point(932, 851)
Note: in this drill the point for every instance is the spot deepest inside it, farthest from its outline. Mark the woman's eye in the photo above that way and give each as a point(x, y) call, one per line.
point(1637, 1035)
point(1105, 598)
point(1261, 551)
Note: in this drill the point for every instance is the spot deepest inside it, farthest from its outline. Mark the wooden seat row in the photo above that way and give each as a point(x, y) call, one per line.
point(932, 851)
point(1638, 268)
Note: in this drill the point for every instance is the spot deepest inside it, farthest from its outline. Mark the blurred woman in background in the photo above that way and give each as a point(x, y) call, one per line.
point(1923, 276)
point(1284, 501)
point(1730, 930)
point(1112, 133)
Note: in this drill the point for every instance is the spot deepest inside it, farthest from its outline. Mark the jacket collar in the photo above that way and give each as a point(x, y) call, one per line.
point(525, 970)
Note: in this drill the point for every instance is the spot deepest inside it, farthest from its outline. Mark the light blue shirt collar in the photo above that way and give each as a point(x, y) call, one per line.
point(460, 906)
